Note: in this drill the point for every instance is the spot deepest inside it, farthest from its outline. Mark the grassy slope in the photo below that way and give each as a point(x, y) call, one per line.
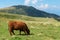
point(41, 28)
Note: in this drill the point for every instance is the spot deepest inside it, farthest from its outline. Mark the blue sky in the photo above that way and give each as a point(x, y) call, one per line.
point(51, 6)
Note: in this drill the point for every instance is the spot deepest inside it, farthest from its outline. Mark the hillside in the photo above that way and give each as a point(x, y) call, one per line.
point(29, 11)
point(40, 28)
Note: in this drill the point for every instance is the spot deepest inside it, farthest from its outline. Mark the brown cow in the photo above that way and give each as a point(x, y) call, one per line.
point(18, 25)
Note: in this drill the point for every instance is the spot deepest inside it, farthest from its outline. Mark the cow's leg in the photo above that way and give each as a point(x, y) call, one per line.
point(10, 31)
point(13, 32)
point(28, 32)
point(20, 32)
point(25, 31)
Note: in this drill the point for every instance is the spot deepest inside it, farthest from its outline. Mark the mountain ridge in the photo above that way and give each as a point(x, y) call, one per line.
point(29, 11)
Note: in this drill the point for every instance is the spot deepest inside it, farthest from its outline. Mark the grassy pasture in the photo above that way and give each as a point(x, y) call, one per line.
point(40, 28)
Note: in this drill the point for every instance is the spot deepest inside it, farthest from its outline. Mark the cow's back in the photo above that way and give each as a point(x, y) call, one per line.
point(17, 25)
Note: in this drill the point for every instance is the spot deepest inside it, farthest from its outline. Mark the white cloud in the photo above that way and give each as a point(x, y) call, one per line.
point(47, 6)
point(34, 1)
point(43, 6)
point(27, 2)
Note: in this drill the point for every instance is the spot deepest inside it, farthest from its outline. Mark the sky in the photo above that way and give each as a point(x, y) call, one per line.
point(50, 6)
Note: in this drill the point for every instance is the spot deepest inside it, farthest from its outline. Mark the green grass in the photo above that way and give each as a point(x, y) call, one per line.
point(40, 29)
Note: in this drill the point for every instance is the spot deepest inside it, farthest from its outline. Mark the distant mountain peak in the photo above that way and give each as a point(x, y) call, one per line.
point(20, 6)
point(29, 11)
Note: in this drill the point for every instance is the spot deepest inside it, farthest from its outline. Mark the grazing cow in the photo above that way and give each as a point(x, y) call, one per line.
point(18, 25)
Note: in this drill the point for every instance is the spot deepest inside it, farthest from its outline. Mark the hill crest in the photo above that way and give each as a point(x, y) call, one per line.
point(29, 11)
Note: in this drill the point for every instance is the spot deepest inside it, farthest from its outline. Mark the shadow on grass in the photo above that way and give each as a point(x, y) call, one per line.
point(25, 34)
